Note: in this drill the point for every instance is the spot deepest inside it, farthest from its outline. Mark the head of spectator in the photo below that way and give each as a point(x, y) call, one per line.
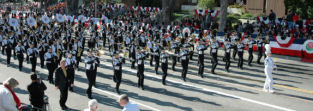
point(123, 100)
point(92, 105)
point(11, 83)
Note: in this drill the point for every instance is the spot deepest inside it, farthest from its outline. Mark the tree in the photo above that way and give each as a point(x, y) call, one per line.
point(206, 4)
point(223, 15)
point(303, 7)
point(167, 10)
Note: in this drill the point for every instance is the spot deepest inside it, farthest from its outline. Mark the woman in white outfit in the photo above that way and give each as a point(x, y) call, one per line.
point(269, 66)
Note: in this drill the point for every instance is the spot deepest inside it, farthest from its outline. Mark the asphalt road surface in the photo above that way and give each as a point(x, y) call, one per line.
point(238, 90)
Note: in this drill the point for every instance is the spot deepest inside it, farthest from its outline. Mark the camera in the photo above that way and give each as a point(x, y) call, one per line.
point(46, 99)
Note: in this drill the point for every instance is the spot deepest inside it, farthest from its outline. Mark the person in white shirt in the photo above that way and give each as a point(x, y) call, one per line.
point(92, 105)
point(7, 101)
point(269, 66)
point(128, 106)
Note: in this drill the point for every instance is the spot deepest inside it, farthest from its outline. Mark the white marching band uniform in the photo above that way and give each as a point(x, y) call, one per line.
point(269, 66)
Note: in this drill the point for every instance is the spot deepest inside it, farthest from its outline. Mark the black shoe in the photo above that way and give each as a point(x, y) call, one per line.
point(213, 72)
point(64, 108)
point(94, 85)
point(117, 91)
point(201, 76)
point(71, 89)
point(163, 83)
point(173, 69)
point(89, 96)
point(142, 88)
point(184, 79)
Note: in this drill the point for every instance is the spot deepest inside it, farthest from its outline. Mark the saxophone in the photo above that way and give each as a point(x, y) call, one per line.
point(79, 52)
point(58, 54)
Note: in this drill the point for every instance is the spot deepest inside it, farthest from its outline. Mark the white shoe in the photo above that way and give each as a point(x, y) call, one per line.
point(271, 91)
point(265, 90)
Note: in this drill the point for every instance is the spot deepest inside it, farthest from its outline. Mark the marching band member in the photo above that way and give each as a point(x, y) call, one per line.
point(214, 49)
point(250, 49)
point(42, 51)
point(150, 46)
point(70, 63)
point(184, 54)
point(132, 54)
point(90, 63)
point(175, 47)
point(201, 47)
point(240, 48)
point(227, 46)
point(156, 53)
point(140, 57)
point(234, 40)
point(79, 51)
point(32, 52)
point(117, 67)
point(269, 66)
point(164, 65)
point(51, 63)
point(20, 50)
point(7, 46)
point(260, 45)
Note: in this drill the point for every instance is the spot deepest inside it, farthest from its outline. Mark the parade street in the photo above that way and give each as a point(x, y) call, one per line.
point(238, 90)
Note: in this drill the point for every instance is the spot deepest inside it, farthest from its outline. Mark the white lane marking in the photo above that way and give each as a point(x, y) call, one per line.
point(214, 91)
point(117, 96)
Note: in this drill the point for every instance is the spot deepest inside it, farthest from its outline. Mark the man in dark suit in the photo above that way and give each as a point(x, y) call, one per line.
point(62, 82)
point(36, 92)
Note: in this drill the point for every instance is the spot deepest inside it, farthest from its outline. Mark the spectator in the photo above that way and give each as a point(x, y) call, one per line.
point(92, 105)
point(272, 16)
point(8, 99)
point(128, 106)
point(36, 92)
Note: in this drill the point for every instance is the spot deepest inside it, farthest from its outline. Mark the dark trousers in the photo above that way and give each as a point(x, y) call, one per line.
point(63, 95)
point(33, 62)
point(118, 78)
point(260, 54)
point(90, 76)
point(191, 54)
point(157, 62)
point(240, 61)
point(250, 56)
point(214, 62)
point(20, 59)
point(227, 60)
point(164, 69)
point(174, 62)
point(42, 59)
point(78, 60)
point(151, 60)
point(50, 67)
point(9, 53)
point(140, 74)
point(234, 53)
point(185, 68)
point(201, 64)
